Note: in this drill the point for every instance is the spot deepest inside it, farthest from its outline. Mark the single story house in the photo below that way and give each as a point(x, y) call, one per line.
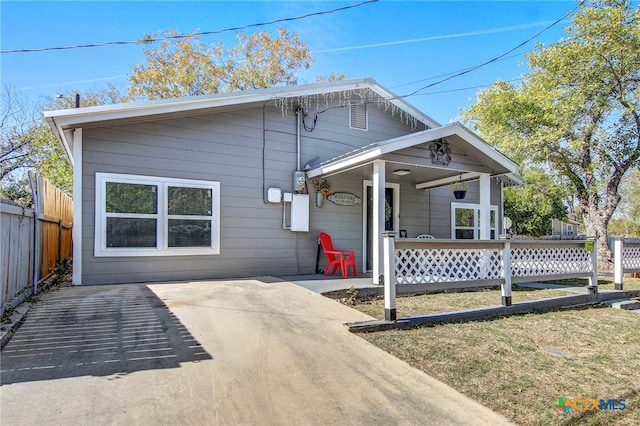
point(565, 228)
point(219, 186)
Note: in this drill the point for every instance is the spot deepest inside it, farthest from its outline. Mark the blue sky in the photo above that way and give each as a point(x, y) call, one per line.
point(404, 45)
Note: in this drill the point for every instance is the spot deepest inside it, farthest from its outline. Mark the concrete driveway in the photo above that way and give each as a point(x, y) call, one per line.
point(214, 352)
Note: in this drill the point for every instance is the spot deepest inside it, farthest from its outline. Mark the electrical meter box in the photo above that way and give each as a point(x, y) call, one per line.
point(300, 213)
point(299, 182)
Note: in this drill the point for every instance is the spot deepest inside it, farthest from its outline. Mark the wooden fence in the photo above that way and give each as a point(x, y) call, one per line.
point(55, 212)
point(16, 249)
point(32, 242)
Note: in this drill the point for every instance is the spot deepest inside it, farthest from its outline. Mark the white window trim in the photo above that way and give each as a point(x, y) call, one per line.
point(162, 249)
point(476, 227)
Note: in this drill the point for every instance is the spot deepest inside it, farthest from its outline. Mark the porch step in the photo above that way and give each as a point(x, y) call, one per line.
point(625, 304)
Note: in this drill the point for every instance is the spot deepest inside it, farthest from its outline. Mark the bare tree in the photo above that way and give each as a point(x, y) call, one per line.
point(16, 121)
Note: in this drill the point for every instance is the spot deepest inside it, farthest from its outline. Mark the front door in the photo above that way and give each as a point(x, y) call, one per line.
point(391, 216)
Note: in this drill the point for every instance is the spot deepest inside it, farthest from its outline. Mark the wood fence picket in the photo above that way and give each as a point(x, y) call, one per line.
point(29, 252)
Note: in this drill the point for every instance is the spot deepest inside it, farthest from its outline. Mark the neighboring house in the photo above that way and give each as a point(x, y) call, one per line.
point(561, 228)
point(191, 188)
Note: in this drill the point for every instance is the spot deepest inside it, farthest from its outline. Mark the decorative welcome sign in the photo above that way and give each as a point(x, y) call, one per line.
point(344, 199)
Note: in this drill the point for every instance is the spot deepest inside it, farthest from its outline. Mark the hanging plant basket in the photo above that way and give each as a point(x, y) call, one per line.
point(460, 194)
point(459, 190)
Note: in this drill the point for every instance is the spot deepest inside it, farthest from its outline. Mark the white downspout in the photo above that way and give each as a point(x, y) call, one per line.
point(298, 131)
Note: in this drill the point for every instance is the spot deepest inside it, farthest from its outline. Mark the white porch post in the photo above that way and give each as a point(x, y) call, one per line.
point(506, 268)
point(76, 274)
point(593, 279)
point(618, 272)
point(389, 270)
point(378, 217)
point(485, 206)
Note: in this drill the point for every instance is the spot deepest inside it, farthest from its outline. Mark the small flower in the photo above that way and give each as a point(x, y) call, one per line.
point(321, 185)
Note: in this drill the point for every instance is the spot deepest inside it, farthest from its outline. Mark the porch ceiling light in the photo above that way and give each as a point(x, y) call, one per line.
point(401, 172)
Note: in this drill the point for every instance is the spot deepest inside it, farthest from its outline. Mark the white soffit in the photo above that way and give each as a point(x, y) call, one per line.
point(374, 151)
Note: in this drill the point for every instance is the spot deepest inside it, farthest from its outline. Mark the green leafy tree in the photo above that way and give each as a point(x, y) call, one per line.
point(185, 66)
point(50, 159)
point(532, 206)
point(177, 66)
point(17, 190)
point(626, 220)
point(331, 77)
point(577, 111)
point(260, 61)
point(107, 95)
point(630, 191)
point(624, 228)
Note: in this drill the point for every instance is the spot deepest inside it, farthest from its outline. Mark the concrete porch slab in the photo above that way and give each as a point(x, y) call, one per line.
point(321, 284)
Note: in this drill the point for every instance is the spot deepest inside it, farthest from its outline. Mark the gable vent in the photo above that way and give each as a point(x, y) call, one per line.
point(358, 116)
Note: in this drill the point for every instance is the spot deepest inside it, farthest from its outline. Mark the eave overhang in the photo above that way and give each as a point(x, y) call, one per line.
point(64, 121)
point(492, 161)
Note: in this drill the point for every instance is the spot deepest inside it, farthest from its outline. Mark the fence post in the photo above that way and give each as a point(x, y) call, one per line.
point(506, 270)
point(36, 192)
point(389, 271)
point(618, 272)
point(59, 254)
point(593, 279)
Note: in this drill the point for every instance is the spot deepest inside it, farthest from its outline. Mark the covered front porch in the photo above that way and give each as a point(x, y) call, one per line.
point(406, 184)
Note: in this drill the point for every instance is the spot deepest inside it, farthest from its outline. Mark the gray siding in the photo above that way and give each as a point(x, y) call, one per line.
point(429, 212)
point(228, 147)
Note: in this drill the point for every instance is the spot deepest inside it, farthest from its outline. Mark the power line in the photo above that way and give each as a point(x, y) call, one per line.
point(179, 36)
point(462, 89)
point(452, 72)
point(468, 70)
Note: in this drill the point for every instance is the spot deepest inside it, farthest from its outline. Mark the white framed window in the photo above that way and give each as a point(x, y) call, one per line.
point(156, 216)
point(465, 221)
point(358, 116)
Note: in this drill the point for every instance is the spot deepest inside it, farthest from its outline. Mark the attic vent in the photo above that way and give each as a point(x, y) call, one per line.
point(358, 116)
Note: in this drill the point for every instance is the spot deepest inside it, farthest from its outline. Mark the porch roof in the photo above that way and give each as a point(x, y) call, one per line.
point(470, 157)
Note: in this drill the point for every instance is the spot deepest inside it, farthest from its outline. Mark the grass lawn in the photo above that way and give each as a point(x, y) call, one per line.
point(519, 366)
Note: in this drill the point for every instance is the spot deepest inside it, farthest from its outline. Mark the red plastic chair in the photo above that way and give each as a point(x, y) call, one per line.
point(337, 258)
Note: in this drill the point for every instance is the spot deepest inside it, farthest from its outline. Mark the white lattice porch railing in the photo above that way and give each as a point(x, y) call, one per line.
point(631, 258)
point(549, 260)
point(426, 264)
point(447, 262)
point(476, 262)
